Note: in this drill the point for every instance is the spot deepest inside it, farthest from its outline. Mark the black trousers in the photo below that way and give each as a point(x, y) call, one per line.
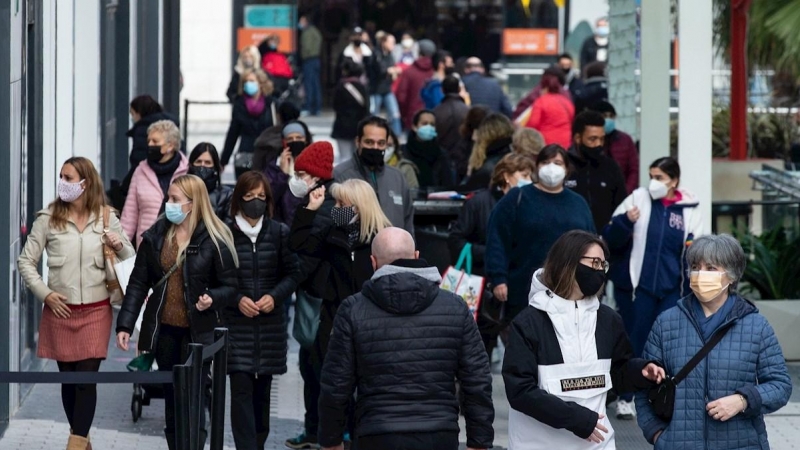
point(250, 410)
point(79, 400)
point(311, 390)
point(439, 440)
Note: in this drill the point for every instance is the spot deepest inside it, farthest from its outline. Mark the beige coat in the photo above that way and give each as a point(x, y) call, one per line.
point(76, 268)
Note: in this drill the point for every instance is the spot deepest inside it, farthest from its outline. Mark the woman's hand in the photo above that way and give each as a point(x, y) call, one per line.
point(501, 292)
point(247, 307)
point(204, 302)
point(113, 240)
point(633, 214)
point(315, 198)
point(597, 435)
point(286, 160)
point(726, 408)
point(122, 340)
point(57, 303)
point(266, 304)
point(654, 373)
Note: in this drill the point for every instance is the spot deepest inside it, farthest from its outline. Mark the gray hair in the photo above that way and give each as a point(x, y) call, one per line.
point(721, 250)
point(170, 131)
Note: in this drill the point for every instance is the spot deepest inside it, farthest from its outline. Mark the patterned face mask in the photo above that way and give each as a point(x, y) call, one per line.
point(343, 215)
point(69, 192)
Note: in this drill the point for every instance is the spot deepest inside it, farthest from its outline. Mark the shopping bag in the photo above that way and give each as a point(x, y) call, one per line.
point(142, 363)
point(522, 119)
point(462, 283)
point(123, 270)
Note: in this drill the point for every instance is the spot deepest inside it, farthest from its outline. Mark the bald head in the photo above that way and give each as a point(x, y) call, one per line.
point(392, 244)
point(473, 64)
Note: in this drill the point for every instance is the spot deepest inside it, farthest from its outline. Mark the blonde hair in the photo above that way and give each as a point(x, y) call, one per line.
point(263, 81)
point(527, 142)
point(169, 130)
point(493, 128)
point(93, 193)
point(361, 195)
point(195, 190)
point(251, 50)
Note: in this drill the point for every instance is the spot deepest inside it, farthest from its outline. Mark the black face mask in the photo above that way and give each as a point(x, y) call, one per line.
point(449, 71)
point(589, 280)
point(296, 147)
point(254, 208)
point(154, 153)
point(372, 157)
point(593, 153)
point(356, 42)
point(209, 175)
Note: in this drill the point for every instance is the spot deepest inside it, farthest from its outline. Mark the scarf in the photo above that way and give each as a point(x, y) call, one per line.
point(249, 231)
point(255, 106)
point(164, 171)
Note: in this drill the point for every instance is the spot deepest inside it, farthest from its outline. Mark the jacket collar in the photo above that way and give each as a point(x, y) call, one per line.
point(741, 308)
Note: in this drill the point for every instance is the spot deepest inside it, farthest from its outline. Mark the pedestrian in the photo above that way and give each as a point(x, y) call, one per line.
point(382, 73)
point(619, 145)
point(296, 138)
point(351, 105)
point(468, 130)
point(402, 327)
point(249, 59)
point(526, 223)
point(654, 224)
point(450, 114)
point(572, 76)
point(268, 275)
point(357, 51)
point(484, 90)
point(252, 115)
point(275, 65)
point(527, 102)
point(527, 142)
point(552, 113)
point(152, 178)
point(557, 387)
point(412, 80)
point(269, 145)
point(593, 89)
point(188, 259)
point(493, 142)
point(595, 47)
point(722, 402)
point(422, 148)
point(204, 163)
point(596, 177)
point(310, 53)
point(388, 183)
point(408, 51)
point(443, 65)
point(76, 320)
point(394, 157)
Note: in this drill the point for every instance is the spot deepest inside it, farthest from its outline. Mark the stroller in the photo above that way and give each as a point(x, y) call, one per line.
point(143, 393)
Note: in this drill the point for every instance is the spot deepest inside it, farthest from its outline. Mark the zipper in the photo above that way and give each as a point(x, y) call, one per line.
point(257, 345)
point(158, 313)
point(660, 249)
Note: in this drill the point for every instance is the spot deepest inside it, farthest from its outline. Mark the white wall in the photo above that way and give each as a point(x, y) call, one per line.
point(64, 80)
point(586, 10)
point(86, 79)
point(49, 100)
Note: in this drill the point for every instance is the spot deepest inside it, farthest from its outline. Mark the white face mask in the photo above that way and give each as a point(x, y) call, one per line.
point(387, 155)
point(658, 190)
point(298, 187)
point(552, 175)
point(407, 43)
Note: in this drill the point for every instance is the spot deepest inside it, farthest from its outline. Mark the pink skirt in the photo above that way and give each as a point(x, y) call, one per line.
point(84, 335)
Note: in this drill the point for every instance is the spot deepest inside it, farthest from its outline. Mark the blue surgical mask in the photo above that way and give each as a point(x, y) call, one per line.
point(610, 126)
point(426, 133)
point(250, 88)
point(603, 31)
point(523, 182)
point(174, 212)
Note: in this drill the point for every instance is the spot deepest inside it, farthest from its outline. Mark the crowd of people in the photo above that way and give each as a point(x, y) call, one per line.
point(389, 360)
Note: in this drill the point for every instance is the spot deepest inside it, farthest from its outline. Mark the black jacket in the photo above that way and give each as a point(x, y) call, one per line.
point(205, 271)
point(434, 166)
point(233, 87)
point(589, 51)
point(494, 153)
point(589, 93)
point(349, 110)
point(600, 182)
point(471, 226)
point(380, 82)
point(245, 126)
point(402, 343)
point(449, 116)
point(221, 201)
point(268, 267)
point(459, 155)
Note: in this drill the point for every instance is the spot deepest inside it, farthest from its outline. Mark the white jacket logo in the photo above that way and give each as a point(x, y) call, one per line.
point(583, 383)
point(676, 221)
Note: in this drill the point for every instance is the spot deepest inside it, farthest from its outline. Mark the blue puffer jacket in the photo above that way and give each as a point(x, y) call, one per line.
point(747, 361)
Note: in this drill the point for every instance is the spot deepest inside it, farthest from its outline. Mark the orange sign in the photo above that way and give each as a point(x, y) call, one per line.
point(530, 41)
point(255, 36)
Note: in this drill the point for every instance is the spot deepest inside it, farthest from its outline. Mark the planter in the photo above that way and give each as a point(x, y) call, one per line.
point(784, 316)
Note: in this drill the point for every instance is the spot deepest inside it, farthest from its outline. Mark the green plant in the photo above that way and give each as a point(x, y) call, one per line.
point(771, 269)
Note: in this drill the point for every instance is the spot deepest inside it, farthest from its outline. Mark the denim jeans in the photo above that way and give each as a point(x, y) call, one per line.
point(312, 85)
point(392, 110)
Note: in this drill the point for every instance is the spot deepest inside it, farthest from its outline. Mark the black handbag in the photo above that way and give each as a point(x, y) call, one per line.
point(662, 397)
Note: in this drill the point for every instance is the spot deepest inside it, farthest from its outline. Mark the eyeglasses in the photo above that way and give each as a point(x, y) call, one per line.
point(597, 263)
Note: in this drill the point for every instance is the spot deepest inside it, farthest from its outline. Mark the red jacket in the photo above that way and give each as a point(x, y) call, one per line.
point(412, 80)
point(621, 148)
point(552, 115)
point(276, 65)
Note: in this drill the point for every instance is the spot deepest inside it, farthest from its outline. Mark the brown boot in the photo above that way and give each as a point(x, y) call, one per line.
point(88, 443)
point(77, 442)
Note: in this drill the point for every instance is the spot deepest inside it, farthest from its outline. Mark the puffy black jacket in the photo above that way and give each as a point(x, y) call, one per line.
point(349, 109)
point(206, 270)
point(246, 126)
point(268, 267)
point(221, 201)
point(599, 180)
point(402, 342)
point(471, 226)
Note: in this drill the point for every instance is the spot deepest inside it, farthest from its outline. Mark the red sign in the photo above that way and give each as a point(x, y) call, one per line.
point(530, 41)
point(255, 36)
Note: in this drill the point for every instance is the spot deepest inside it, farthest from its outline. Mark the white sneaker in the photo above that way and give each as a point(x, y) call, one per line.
point(626, 410)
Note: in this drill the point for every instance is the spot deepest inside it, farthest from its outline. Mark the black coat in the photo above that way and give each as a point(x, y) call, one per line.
point(221, 201)
point(450, 114)
point(481, 178)
point(380, 82)
point(268, 267)
point(434, 168)
point(349, 111)
point(245, 126)
point(600, 182)
point(471, 226)
point(205, 271)
point(402, 343)
point(589, 93)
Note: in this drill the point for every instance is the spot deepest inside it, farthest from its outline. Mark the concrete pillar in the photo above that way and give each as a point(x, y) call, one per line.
point(656, 37)
point(622, 65)
point(695, 100)
point(86, 79)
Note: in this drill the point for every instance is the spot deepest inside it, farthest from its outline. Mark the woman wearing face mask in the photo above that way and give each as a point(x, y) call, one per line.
point(204, 163)
point(722, 402)
point(394, 157)
point(312, 168)
point(295, 137)
point(252, 115)
point(526, 223)
point(424, 151)
point(76, 320)
point(152, 179)
point(249, 59)
point(654, 224)
point(268, 275)
point(566, 351)
point(552, 113)
point(188, 259)
point(351, 105)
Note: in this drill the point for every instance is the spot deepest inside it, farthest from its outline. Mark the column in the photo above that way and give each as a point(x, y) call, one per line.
point(655, 82)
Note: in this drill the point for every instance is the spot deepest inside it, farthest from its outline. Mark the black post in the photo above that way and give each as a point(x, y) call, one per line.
point(219, 379)
point(180, 374)
point(196, 395)
point(186, 122)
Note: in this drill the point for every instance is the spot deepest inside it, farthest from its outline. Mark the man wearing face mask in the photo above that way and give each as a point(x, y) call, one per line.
point(619, 145)
point(596, 177)
point(370, 166)
point(595, 48)
point(443, 66)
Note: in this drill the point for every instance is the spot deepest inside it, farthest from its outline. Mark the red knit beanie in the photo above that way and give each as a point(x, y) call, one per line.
point(316, 160)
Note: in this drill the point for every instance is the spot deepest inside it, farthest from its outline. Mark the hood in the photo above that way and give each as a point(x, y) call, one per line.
point(543, 299)
point(403, 287)
point(424, 63)
point(146, 121)
point(688, 198)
